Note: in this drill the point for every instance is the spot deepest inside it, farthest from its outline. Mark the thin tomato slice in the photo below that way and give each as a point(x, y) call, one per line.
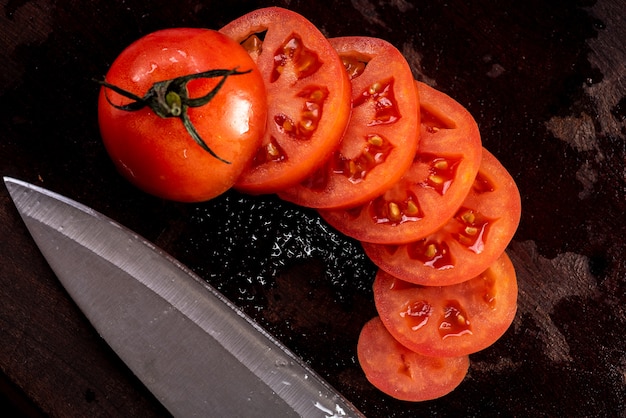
point(470, 242)
point(403, 374)
point(433, 188)
point(454, 320)
point(382, 135)
point(308, 97)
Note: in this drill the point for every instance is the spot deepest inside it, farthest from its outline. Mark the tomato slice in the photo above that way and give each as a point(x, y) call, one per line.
point(471, 240)
point(454, 320)
point(433, 188)
point(308, 97)
point(382, 135)
point(402, 373)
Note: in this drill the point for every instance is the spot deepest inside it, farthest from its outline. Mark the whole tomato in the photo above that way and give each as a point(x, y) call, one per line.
point(181, 112)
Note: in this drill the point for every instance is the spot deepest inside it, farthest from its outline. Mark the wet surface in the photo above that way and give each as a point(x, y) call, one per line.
point(546, 82)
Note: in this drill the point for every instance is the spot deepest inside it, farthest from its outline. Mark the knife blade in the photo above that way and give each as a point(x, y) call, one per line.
point(193, 349)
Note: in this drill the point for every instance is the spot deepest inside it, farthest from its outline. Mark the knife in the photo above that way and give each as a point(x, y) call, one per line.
point(193, 349)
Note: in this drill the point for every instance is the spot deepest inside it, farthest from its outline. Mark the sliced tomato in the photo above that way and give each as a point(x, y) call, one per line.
point(382, 135)
point(471, 240)
point(454, 320)
point(404, 374)
point(433, 188)
point(308, 97)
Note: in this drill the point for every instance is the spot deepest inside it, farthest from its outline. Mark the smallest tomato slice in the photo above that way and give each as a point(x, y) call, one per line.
point(449, 321)
point(404, 374)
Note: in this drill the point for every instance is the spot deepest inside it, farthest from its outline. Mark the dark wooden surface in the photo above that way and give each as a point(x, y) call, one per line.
point(544, 79)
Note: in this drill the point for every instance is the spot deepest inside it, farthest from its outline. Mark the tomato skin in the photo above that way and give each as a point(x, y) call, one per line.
point(382, 135)
point(402, 373)
point(449, 321)
point(157, 154)
point(428, 195)
point(494, 203)
point(308, 97)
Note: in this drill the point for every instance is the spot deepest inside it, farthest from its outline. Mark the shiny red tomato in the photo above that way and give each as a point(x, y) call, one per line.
point(194, 151)
point(470, 242)
point(433, 188)
point(308, 97)
point(449, 321)
point(405, 374)
point(383, 133)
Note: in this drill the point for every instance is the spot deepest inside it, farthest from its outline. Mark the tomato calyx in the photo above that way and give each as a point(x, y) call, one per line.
point(170, 99)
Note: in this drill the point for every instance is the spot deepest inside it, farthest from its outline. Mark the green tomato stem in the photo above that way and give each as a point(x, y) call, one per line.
point(170, 99)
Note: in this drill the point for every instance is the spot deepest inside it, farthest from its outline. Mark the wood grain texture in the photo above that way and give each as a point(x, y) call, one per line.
point(546, 82)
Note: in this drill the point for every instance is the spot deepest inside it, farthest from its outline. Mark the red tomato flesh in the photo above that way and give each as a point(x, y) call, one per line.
point(382, 135)
point(157, 154)
point(470, 242)
point(308, 97)
point(404, 374)
point(433, 188)
point(449, 321)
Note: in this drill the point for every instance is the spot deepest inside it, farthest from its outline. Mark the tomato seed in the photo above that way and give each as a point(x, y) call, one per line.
point(375, 140)
point(307, 125)
point(288, 125)
point(374, 88)
point(441, 165)
point(272, 150)
point(431, 251)
point(471, 230)
point(412, 209)
point(317, 95)
point(435, 179)
point(468, 217)
point(394, 211)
